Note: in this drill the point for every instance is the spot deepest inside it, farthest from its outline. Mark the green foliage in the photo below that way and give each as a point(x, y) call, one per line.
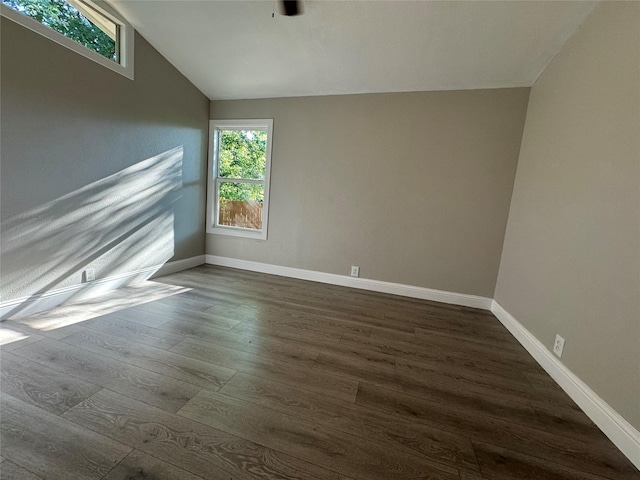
point(243, 154)
point(62, 17)
point(246, 192)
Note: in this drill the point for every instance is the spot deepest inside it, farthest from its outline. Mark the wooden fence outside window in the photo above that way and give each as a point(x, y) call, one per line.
point(237, 213)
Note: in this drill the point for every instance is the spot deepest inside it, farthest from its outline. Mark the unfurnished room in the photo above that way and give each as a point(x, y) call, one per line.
point(346, 240)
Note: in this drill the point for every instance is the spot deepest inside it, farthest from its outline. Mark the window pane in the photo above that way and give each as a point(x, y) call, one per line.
point(243, 154)
point(74, 20)
point(240, 205)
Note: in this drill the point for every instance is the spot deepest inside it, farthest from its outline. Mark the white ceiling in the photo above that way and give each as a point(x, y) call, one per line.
point(235, 49)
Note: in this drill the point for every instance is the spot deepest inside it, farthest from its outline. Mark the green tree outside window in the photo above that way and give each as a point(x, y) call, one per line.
point(62, 17)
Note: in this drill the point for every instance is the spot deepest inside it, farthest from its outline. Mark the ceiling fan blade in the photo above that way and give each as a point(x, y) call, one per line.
point(291, 8)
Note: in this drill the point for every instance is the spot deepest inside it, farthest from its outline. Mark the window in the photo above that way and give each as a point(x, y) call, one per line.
point(239, 166)
point(81, 25)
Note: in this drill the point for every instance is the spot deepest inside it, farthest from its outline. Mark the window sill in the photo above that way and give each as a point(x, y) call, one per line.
point(238, 232)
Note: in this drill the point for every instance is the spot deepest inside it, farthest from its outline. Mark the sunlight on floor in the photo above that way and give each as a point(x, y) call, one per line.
point(8, 336)
point(97, 306)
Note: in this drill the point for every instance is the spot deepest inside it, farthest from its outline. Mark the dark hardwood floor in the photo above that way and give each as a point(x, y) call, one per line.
point(214, 373)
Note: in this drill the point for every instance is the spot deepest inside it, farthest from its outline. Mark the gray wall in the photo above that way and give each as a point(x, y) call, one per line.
point(412, 187)
point(571, 261)
point(97, 170)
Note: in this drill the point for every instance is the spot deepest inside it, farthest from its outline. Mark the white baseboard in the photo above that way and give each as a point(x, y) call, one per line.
point(179, 265)
point(619, 431)
point(32, 304)
point(354, 282)
point(40, 302)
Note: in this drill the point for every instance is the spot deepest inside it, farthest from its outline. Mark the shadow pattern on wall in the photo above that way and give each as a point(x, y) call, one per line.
point(118, 224)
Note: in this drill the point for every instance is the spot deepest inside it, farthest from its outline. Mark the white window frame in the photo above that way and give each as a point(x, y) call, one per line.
point(215, 126)
point(127, 33)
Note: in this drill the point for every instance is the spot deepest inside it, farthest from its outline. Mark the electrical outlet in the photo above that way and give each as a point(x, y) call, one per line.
point(89, 275)
point(558, 346)
point(355, 271)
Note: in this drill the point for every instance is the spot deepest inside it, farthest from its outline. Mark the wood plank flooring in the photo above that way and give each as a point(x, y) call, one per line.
point(215, 373)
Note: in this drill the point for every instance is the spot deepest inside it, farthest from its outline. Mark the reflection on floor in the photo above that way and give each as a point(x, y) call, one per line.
point(214, 373)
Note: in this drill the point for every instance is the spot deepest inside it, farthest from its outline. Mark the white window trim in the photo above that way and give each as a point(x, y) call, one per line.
point(127, 33)
point(212, 195)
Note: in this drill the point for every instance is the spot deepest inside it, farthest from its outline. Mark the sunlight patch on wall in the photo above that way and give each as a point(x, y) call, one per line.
point(118, 224)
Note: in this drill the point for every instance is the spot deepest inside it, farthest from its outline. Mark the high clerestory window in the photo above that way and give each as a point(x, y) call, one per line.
point(85, 26)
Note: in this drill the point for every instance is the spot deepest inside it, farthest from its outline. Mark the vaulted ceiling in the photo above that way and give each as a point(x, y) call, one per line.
point(246, 49)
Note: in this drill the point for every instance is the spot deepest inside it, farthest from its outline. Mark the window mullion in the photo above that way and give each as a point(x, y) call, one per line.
point(241, 180)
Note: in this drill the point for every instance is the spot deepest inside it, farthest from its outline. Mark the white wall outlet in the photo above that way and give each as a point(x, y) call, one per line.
point(89, 275)
point(355, 271)
point(558, 346)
